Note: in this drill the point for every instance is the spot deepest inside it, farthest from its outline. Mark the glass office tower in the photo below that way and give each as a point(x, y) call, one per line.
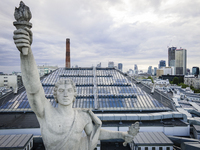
point(180, 61)
point(171, 56)
point(195, 71)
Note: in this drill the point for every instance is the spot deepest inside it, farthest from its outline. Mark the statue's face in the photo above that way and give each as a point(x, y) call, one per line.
point(65, 94)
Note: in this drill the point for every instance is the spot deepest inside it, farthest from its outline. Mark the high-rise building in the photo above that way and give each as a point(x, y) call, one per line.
point(187, 71)
point(161, 64)
point(99, 65)
point(149, 70)
point(171, 56)
point(195, 71)
point(111, 64)
point(136, 69)
point(155, 69)
point(180, 61)
point(120, 66)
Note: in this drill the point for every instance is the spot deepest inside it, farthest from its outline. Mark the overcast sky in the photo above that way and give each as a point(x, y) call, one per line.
point(123, 31)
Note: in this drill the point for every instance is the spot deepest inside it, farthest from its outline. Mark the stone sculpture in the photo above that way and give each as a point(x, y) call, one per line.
point(61, 127)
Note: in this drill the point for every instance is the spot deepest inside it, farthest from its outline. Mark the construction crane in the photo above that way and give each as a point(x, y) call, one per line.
point(169, 43)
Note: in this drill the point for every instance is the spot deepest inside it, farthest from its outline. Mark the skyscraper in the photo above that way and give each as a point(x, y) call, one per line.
point(99, 65)
point(180, 61)
point(111, 64)
point(161, 64)
point(171, 56)
point(120, 66)
point(155, 69)
point(195, 71)
point(149, 70)
point(136, 69)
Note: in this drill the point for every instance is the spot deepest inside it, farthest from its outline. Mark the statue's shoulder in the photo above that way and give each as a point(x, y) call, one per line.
point(82, 112)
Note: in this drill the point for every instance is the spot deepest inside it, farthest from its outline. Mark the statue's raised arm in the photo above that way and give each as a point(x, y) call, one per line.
point(23, 40)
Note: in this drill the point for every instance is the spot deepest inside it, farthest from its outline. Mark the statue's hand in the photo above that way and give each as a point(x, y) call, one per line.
point(128, 138)
point(133, 130)
point(22, 38)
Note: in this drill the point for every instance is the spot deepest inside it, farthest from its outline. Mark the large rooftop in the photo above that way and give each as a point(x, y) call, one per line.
point(103, 89)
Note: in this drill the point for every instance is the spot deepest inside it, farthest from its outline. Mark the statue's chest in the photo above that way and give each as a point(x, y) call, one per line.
point(61, 125)
point(58, 125)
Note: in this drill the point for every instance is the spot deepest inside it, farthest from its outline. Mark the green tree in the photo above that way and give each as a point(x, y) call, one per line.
point(175, 80)
point(184, 86)
point(191, 87)
point(149, 77)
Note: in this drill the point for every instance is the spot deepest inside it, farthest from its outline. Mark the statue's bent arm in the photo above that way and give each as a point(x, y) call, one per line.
point(103, 134)
point(30, 75)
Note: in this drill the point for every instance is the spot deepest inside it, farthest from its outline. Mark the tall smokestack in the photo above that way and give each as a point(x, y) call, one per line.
point(67, 62)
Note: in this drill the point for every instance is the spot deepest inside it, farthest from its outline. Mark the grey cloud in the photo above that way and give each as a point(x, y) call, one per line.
point(94, 36)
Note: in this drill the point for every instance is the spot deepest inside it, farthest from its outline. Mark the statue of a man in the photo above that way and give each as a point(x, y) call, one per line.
point(62, 127)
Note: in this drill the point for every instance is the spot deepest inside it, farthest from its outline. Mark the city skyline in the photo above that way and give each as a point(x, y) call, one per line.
point(102, 31)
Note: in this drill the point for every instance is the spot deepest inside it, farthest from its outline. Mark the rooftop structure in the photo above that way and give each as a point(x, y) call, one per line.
point(152, 141)
point(18, 142)
point(100, 89)
point(112, 95)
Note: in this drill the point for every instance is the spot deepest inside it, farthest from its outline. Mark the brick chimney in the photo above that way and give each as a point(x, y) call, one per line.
point(67, 61)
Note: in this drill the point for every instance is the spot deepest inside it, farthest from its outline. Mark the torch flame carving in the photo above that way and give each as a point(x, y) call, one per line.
point(22, 16)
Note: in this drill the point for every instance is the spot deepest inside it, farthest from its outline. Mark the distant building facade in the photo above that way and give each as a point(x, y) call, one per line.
point(159, 72)
point(149, 70)
point(171, 56)
point(46, 69)
point(195, 71)
point(99, 65)
point(161, 64)
point(120, 66)
point(180, 61)
point(111, 64)
point(165, 71)
point(135, 68)
point(155, 71)
point(9, 81)
point(192, 81)
point(187, 71)
point(130, 71)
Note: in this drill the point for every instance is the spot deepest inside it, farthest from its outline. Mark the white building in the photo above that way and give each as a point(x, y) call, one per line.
point(191, 80)
point(9, 81)
point(46, 69)
point(165, 71)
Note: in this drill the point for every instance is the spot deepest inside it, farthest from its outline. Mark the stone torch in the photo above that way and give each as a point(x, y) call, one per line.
point(22, 16)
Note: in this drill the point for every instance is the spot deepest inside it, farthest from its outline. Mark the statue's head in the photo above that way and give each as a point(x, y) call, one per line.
point(65, 91)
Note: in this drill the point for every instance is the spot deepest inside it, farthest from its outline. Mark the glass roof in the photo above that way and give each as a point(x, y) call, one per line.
point(97, 88)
